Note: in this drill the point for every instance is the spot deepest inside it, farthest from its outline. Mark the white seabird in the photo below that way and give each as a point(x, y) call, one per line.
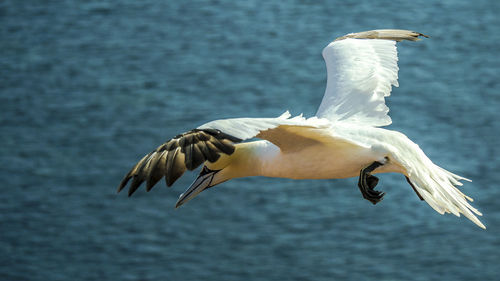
point(343, 140)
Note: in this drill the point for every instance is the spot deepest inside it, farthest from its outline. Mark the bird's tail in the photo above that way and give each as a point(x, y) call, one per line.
point(437, 186)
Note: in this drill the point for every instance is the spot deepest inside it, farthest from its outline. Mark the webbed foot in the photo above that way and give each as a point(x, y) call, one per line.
point(367, 183)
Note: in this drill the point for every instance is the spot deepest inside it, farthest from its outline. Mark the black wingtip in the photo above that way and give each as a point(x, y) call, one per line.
point(186, 151)
point(150, 183)
point(423, 35)
point(131, 191)
point(149, 186)
point(123, 183)
point(136, 183)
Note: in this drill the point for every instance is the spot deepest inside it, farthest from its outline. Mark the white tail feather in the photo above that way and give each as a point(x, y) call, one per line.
point(437, 186)
point(440, 192)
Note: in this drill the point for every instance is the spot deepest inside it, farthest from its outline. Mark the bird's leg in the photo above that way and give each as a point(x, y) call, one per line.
point(414, 189)
point(367, 183)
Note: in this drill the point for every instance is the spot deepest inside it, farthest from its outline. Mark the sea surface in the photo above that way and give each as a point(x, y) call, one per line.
point(88, 87)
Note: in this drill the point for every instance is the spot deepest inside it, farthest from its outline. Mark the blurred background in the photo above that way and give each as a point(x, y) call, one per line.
point(88, 87)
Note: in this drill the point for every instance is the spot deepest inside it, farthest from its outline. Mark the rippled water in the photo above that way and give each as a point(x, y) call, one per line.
point(88, 87)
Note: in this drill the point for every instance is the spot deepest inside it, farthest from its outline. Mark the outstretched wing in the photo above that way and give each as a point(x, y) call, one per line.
point(189, 150)
point(361, 68)
point(171, 159)
point(286, 133)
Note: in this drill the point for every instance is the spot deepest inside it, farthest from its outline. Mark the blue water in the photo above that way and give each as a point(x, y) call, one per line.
point(88, 87)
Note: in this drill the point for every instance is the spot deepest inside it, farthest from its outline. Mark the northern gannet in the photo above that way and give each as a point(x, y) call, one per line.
point(343, 140)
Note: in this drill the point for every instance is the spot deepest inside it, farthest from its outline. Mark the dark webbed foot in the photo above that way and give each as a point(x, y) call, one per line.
point(367, 183)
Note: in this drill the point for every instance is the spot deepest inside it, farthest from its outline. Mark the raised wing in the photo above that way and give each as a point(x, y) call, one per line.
point(189, 150)
point(361, 68)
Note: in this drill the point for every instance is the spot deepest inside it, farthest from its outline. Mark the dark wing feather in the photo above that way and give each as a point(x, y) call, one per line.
point(175, 166)
point(225, 147)
point(184, 152)
point(208, 152)
point(156, 169)
point(133, 172)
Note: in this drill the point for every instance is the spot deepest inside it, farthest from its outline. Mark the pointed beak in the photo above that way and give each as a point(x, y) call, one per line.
point(201, 183)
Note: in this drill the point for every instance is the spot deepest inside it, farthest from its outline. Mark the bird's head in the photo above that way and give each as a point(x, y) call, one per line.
point(206, 179)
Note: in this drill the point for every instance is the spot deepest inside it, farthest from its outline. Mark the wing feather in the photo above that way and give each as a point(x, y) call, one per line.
point(157, 169)
point(189, 150)
point(184, 152)
point(175, 166)
point(362, 68)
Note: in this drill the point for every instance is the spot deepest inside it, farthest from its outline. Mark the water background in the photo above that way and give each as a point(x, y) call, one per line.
point(89, 87)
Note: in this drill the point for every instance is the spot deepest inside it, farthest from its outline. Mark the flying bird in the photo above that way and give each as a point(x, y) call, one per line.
point(343, 140)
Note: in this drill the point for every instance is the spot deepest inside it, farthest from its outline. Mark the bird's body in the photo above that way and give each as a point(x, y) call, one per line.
point(331, 158)
point(343, 140)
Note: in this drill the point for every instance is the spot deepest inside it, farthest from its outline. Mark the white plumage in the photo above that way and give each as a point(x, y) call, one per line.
point(360, 75)
point(343, 139)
